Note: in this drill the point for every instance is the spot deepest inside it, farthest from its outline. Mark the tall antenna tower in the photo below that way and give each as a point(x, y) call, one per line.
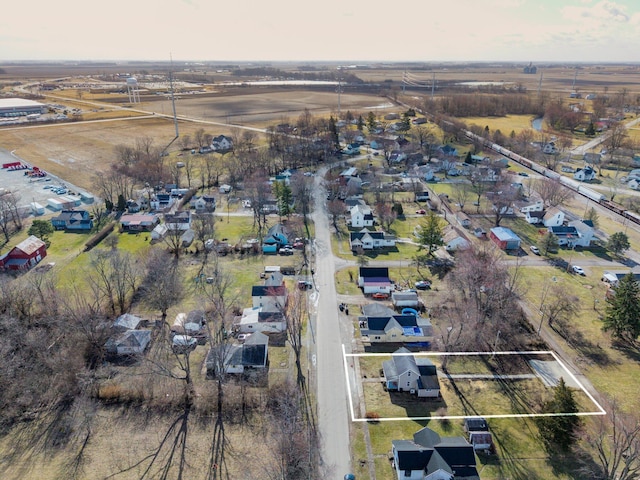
point(433, 85)
point(339, 90)
point(540, 84)
point(575, 75)
point(133, 92)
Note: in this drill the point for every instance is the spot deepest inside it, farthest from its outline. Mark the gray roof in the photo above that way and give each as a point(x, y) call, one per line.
point(127, 321)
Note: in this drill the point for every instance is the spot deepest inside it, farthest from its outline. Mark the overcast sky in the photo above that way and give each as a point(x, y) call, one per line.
point(345, 30)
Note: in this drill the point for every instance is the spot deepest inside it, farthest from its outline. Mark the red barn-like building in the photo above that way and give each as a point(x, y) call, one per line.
point(25, 255)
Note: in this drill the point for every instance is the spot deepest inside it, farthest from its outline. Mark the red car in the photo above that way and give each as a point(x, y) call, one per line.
point(421, 212)
point(380, 296)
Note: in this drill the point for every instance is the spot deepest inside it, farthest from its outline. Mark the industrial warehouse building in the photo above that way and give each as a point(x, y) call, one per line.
point(18, 107)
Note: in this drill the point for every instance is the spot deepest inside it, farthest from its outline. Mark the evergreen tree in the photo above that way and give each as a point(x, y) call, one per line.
point(283, 195)
point(468, 159)
point(360, 123)
point(42, 229)
point(397, 208)
point(618, 243)
point(592, 216)
point(122, 203)
point(333, 130)
point(430, 235)
point(549, 243)
point(622, 316)
point(371, 122)
point(590, 131)
point(559, 432)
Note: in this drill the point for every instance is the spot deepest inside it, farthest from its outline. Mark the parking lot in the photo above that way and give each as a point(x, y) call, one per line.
point(31, 189)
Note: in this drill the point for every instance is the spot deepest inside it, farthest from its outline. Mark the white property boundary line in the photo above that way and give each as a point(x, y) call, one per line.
point(345, 356)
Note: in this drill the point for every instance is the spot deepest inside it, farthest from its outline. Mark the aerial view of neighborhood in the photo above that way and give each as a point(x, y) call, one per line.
point(289, 270)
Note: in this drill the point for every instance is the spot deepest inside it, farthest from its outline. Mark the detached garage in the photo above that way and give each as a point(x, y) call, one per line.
point(504, 238)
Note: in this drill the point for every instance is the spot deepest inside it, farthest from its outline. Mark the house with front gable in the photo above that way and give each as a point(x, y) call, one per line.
point(388, 326)
point(405, 373)
point(432, 457)
point(266, 319)
point(538, 206)
point(374, 280)
point(553, 217)
point(585, 174)
point(267, 295)
point(204, 203)
point(448, 151)
point(371, 240)
point(361, 216)
point(178, 221)
point(586, 232)
point(221, 143)
point(567, 236)
point(73, 221)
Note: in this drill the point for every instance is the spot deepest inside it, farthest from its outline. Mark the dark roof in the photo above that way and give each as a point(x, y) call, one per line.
point(254, 350)
point(411, 456)
point(564, 230)
point(265, 316)
point(268, 291)
point(429, 382)
point(369, 272)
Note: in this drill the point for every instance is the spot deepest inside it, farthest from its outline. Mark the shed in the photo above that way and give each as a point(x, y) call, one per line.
point(37, 209)
point(405, 299)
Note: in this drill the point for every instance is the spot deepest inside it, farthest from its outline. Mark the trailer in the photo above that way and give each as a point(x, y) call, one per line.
point(37, 209)
point(55, 204)
point(11, 164)
point(86, 197)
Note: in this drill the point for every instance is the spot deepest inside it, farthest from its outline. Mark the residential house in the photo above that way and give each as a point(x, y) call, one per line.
point(139, 222)
point(221, 143)
point(504, 238)
point(534, 217)
point(133, 206)
point(131, 342)
point(585, 174)
point(553, 217)
point(204, 203)
point(432, 457)
point(268, 295)
point(391, 327)
point(397, 156)
point(405, 373)
point(371, 240)
point(549, 148)
point(586, 232)
point(567, 236)
point(25, 255)
point(634, 184)
point(422, 196)
point(275, 239)
point(448, 151)
point(269, 206)
point(349, 172)
point(239, 358)
point(361, 216)
point(374, 280)
point(538, 206)
point(376, 145)
point(73, 221)
point(180, 221)
point(224, 188)
point(266, 319)
point(161, 201)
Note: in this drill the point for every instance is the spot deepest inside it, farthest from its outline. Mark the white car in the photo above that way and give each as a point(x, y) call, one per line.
point(534, 249)
point(578, 270)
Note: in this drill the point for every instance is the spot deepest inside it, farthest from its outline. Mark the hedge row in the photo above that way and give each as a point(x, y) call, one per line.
point(101, 235)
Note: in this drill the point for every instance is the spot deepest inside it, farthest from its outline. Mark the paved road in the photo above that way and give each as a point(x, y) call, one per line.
point(333, 417)
point(582, 149)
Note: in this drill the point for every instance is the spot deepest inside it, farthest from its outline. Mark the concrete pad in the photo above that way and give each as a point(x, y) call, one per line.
point(550, 373)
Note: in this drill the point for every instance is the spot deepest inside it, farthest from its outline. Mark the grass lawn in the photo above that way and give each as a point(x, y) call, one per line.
point(344, 283)
point(505, 124)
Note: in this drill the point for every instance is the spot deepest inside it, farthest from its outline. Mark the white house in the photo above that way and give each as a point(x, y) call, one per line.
point(374, 280)
point(405, 373)
point(221, 143)
point(369, 240)
point(361, 216)
point(585, 174)
point(269, 296)
point(178, 221)
point(261, 319)
point(534, 207)
point(159, 232)
point(453, 241)
point(554, 217)
point(204, 203)
point(634, 184)
point(586, 232)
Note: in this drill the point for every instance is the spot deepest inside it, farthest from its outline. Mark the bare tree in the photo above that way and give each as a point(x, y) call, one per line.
point(295, 313)
point(460, 194)
point(162, 286)
point(302, 188)
point(10, 219)
point(615, 437)
point(552, 192)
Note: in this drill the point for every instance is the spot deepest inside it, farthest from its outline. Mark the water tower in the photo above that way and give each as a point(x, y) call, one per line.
point(132, 90)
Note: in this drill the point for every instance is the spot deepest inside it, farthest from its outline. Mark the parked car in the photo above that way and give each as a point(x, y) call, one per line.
point(380, 296)
point(523, 174)
point(423, 285)
point(578, 270)
point(421, 212)
point(304, 285)
point(534, 249)
point(285, 251)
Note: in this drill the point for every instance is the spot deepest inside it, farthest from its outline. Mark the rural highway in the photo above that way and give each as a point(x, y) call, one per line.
point(582, 149)
point(333, 417)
